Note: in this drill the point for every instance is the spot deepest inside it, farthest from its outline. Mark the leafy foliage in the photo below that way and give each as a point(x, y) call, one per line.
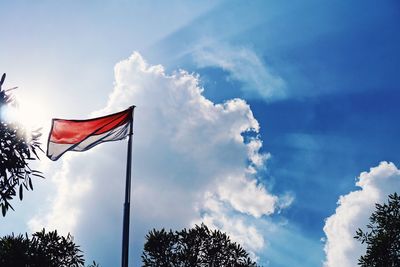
point(16, 149)
point(383, 235)
point(42, 250)
point(198, 246)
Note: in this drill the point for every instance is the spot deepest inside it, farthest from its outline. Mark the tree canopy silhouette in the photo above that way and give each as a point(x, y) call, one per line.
point(197, 246)
point(16, 148)
point(42, 250)
point(383, 235)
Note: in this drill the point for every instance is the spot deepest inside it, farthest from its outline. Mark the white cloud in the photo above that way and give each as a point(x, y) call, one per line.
point(245, 66)
point(185, 148)
point(246, 196)
point(218, 215)
point(65, 202)
point(353, 212)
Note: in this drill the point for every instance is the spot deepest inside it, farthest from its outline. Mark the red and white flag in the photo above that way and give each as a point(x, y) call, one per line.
point(81, 135)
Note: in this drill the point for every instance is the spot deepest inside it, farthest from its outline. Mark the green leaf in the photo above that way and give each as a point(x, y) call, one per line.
point(3, 77)
point(20, 192)
point(30, 183)
point(3, 210)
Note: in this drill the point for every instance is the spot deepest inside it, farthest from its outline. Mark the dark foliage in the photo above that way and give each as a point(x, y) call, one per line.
point(42, 250)
point(383, 235)
point(16, 149)
point(198, 246)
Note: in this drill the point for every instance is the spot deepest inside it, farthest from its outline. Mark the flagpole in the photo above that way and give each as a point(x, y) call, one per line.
point(127, 204)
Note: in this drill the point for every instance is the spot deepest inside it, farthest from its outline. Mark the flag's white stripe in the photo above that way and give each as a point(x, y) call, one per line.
point(55, 150)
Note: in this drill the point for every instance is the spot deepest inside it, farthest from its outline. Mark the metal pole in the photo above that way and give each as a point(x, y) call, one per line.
point(127, 204)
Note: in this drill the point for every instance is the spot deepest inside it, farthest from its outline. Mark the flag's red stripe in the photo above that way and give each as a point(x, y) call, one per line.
point(75, 131)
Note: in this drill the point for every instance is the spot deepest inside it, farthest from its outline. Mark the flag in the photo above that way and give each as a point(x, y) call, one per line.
point(81, 135)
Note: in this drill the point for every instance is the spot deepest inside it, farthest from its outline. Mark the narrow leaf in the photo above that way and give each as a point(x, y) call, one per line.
point(30, 183)
point(20, 192)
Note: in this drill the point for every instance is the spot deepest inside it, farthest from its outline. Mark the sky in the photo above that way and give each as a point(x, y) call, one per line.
point(273, 121)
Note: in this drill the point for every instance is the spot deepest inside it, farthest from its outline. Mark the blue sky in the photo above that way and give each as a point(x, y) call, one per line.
point(320, 79)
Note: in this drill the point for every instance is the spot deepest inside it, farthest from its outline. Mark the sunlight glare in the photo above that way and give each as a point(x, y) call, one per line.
point(29, 111)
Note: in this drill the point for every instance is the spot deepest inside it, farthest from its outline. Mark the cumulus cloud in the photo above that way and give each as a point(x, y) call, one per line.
point(65, 202)
point(246, 196)
point(245, 66)
point(353, 212)
point(185, 150)
point(218, 215)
